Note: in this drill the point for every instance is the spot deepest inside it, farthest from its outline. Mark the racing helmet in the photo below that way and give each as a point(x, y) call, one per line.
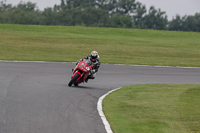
point(94, 56)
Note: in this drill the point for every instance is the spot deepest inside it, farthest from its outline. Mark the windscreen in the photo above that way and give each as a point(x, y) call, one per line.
point(87, 62)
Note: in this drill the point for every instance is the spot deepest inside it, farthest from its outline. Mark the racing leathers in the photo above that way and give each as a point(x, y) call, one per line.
point(95, 66)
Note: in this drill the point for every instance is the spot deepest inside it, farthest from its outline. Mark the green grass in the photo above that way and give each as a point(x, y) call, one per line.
point(154, 108)
point(118, 46)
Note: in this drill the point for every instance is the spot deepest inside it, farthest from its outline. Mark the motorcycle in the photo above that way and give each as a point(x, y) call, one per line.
point(80, 72)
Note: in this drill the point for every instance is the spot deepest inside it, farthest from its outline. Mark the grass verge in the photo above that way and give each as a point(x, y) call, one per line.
point(118, 46)
point(154, 108)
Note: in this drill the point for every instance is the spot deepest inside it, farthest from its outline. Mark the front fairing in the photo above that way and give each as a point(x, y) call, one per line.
point(85, 67)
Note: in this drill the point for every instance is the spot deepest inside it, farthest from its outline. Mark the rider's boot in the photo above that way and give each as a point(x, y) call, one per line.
point(86, 80)
point(89, 77)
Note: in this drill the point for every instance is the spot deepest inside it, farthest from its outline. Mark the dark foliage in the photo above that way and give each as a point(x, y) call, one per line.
point(98, 13)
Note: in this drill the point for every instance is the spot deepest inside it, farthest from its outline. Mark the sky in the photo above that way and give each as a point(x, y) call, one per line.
point(171, 7)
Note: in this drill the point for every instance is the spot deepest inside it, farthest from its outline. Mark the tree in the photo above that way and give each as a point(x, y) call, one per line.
point(23, 13)
point(26, 13)
point(176, 24)
point(78, 3)
point(186, 23)
point(138, 16)
point(192, 23)
point(95, 17)
point(124, 7)
point(120, 21)
point(5, 10)
point(51, 17)
point(101, 13)
point(155, 19)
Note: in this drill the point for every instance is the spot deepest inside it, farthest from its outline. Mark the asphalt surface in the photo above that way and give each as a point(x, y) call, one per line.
point(35, 98)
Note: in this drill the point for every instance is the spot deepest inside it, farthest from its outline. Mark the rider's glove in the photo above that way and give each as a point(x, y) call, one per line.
point(92, 71)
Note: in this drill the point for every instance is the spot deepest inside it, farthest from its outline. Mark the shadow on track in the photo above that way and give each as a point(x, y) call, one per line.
point(83, 87)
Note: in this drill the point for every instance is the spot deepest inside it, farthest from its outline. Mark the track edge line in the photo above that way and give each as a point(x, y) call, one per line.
point(100, 110)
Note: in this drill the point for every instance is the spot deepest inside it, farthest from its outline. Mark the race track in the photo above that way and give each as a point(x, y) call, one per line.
point(35, 98)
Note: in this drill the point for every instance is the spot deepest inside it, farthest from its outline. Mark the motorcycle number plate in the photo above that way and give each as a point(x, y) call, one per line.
point(87, 68)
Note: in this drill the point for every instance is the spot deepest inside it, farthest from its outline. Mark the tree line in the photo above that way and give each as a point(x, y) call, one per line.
point(98, 13)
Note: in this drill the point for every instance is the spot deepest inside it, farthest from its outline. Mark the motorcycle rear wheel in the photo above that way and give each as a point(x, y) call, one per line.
point(73, 79)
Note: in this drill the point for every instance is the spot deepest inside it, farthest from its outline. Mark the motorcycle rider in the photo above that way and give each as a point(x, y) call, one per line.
point(95, 61)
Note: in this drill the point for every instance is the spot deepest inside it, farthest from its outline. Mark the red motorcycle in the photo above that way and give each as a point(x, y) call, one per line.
point(80, 72)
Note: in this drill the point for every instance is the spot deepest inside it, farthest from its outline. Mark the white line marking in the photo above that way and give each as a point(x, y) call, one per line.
point(155, 66)
point(33, 61)
point(100, 110)
point(104, 64)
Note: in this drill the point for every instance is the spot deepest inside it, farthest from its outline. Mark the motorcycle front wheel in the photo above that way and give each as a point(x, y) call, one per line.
point(73, 79)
